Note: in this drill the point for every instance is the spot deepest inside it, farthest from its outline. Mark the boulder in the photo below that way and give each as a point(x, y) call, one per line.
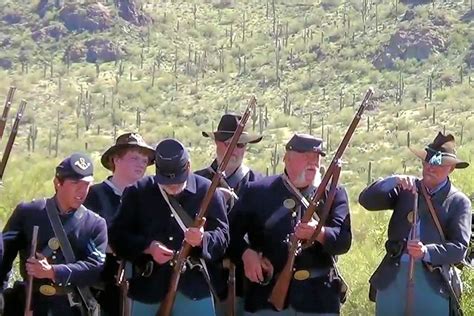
point(128, 11)
point(12, 18)
point(417, 42)
point(93, 18)
point(54, 31)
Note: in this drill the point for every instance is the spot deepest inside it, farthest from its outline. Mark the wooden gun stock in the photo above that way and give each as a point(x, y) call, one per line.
point(6, 109)
point(11, 138)
point(29, 285)
point(122, 283)
point(231, 294)
point(280, 290)
point(166, 305)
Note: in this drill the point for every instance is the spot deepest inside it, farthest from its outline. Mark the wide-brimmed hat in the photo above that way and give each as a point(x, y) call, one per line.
point(226, 129)
point(441, 152)
point(303, 143)
point(125, 141)
point(171, 161)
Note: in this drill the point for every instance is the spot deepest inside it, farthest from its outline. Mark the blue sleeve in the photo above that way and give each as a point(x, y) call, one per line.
point(380, 195)
point(14, 240)
point(86, 270)
point(239, 226)
point(216, 234)
point(338, 234)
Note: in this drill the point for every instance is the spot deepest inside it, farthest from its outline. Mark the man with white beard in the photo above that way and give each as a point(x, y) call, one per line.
point(271, 209)
point(236, 176)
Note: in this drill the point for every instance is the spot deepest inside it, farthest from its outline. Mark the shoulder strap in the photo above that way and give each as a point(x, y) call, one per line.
point(66, 248)
point(433, 213)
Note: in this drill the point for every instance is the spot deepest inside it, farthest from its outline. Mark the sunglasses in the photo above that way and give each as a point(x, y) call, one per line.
point(239, 145)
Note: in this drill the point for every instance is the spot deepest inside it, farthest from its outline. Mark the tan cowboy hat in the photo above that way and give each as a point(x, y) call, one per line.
point(127, 140)
point(226, 128)
point(441, 152)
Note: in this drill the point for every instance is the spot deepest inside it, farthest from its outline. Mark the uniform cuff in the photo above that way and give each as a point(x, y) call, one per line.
point(62, 274)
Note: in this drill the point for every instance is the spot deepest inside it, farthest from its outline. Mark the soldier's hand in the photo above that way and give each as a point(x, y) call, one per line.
point(253, 265)
point(304, 231)
point(194, 235)
point(406, 183)
point(39, 268)
point(160, 253)
point(416, 249)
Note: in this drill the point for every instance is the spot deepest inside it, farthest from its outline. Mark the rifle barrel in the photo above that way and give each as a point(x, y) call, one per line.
point(29, 286)
point(6, 109)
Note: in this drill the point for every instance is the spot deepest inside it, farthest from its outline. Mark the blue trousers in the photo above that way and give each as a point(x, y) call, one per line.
point(287, 312)
point(183, 306)
point(392, 300)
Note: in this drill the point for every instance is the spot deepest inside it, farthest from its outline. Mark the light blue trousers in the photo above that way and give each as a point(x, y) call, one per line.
point(183, 306)
point(392, 300)
point(286, 312)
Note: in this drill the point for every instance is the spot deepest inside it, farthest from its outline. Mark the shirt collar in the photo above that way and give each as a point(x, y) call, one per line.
point(438, 187)
point(113, 187)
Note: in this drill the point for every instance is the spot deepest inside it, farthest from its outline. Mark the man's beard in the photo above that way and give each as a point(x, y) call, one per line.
point(301, 178)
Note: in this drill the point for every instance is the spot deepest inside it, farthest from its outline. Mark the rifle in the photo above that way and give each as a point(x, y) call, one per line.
point(411, 265)
point(29, 284)
point(6, 109)
point(230, 306)
point(11, 138)
point(166, 305)
point(122, 283)
point(280, 289)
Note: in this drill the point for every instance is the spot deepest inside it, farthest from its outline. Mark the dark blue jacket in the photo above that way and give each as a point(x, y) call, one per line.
point(88, 239)
point(260, 200)
point(106, 209)
point(454, 212)
point(145, 216)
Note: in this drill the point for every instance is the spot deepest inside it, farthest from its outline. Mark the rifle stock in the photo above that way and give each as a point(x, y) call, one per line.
point(11, 138)
point(280, 290)
point(411, 264)
point(231, 294)
point(29, 284)
point(6, 109)
point(122, 283)
point(166, 305)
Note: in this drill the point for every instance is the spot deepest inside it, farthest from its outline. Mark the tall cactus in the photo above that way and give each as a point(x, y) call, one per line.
point(275, 159)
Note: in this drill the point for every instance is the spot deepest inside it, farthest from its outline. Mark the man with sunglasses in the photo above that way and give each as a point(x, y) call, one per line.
point(154, 218)
point(236, 176)
point(271, 209)
point(442, 232)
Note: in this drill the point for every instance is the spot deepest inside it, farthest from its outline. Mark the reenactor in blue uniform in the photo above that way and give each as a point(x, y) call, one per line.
point(153, 220)
point(267, 212)
point(63, 268)
point(453, 211)
point(237, 175)
point(128, 160)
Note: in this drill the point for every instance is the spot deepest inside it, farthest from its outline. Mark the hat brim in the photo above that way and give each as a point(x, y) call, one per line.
point(178, 179)
point(446, 161)
point(244, 138)
point(106, 158)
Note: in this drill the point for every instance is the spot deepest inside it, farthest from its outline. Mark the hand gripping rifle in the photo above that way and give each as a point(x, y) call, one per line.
point(29, 284)
point(411, 264)
point(11, 138)
point(166, 305)
point(6, 109)
point(280, 290)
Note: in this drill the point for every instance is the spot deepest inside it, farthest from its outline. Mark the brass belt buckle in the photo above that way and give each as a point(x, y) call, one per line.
point(301, 275)
point(47, 290)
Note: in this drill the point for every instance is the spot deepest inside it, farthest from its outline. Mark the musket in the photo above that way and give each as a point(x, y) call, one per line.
point(29, 284)
point(411, 264)
point(6, 109)
point(122, 282)
point(166, 305)
point(11, 138)
point(231, 294)
point(280, 289)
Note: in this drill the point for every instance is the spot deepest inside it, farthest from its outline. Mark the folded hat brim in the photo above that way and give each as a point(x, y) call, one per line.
point(446, 161)
point(106, 158)
point(164, 180)
point(244, 138)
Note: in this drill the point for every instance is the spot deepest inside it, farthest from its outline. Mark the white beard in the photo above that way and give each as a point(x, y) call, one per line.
point(301, 178)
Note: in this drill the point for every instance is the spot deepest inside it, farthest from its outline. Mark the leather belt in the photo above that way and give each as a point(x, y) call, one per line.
point(305, 274)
